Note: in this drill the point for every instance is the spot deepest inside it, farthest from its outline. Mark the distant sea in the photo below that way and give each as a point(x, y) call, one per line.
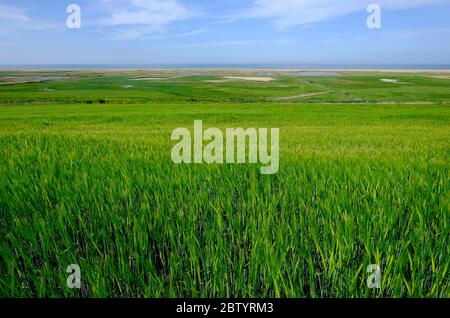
point(248, 66)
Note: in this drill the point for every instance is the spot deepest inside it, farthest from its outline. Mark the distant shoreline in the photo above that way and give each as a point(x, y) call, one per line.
point(97, 68)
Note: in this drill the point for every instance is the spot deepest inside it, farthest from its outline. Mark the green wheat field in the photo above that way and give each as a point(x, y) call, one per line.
point(86, 178)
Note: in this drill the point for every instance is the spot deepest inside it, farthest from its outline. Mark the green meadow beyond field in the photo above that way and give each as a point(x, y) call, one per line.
point(87, 179)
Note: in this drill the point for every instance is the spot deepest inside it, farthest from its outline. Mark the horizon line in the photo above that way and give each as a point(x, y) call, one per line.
point(227, 66)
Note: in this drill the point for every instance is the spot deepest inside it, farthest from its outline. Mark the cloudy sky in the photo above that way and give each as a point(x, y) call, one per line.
point(189, 32)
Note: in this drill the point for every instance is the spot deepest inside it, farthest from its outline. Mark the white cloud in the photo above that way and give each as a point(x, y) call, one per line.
point(133, 33)
point(144, 16)
point(392, 36)
point(289, 13)
point(218, 44)
point(193, 32)
point(12, 19)
point(13, 14)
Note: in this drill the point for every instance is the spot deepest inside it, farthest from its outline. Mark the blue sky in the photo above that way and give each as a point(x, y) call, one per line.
point(274, 32)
